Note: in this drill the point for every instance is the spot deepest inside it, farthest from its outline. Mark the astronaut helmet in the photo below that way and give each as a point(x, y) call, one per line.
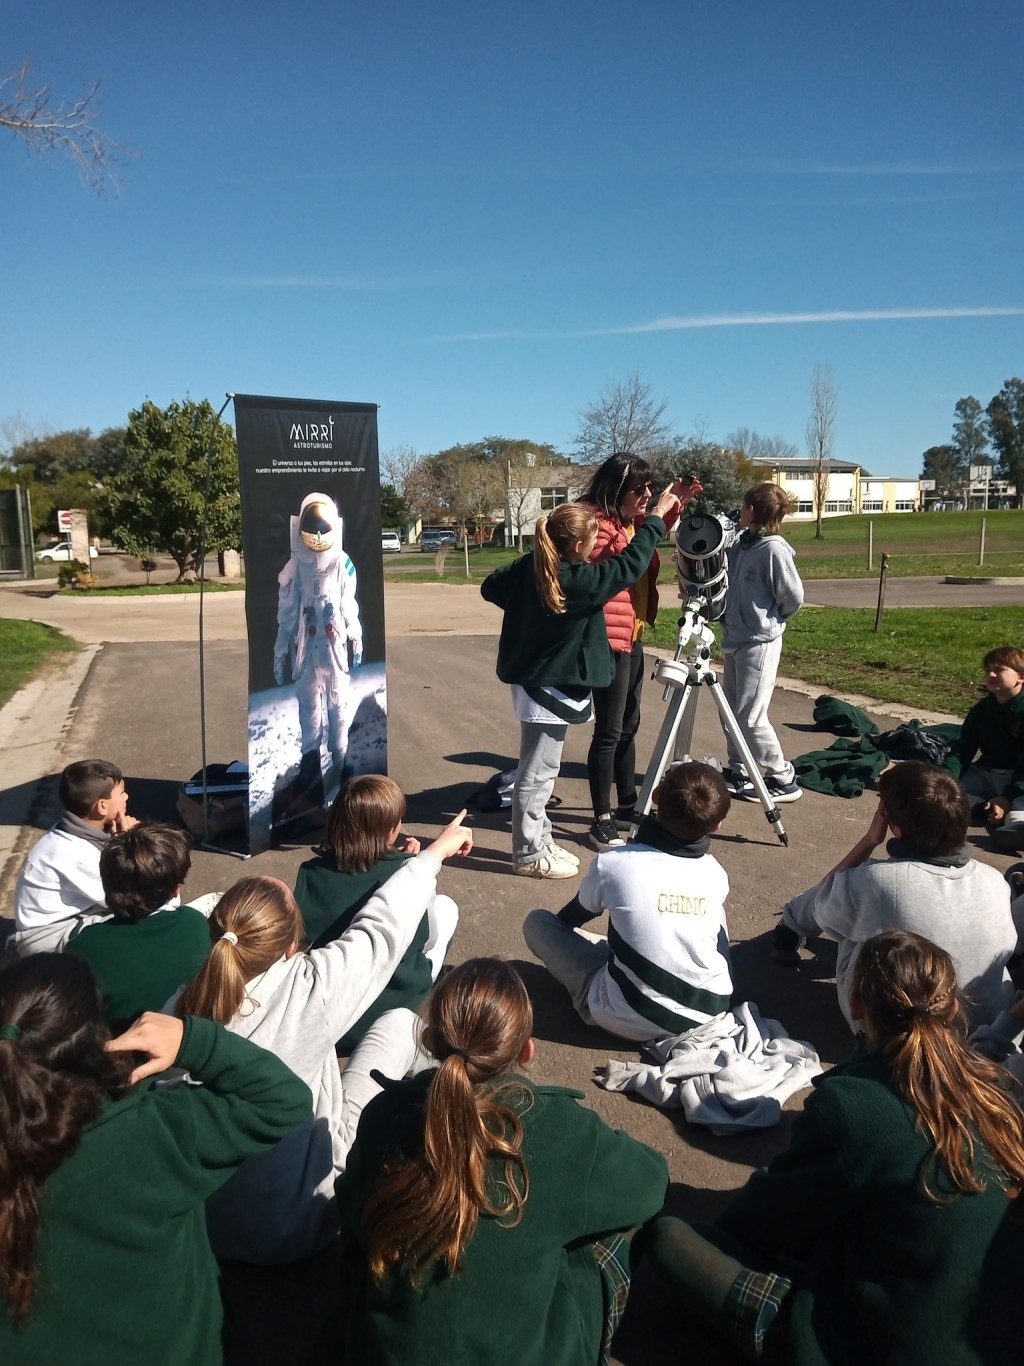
point(319, 523)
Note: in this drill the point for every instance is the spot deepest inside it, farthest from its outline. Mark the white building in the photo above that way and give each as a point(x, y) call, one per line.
point(535, 489)
point(850, 488)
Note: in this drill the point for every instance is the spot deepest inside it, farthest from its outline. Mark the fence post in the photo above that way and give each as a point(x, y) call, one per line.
point(981, 547)
point(871, 546)
point(881, 591)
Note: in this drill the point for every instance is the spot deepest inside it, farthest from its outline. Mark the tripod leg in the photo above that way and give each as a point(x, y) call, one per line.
point(679, 711)
point(771, 811)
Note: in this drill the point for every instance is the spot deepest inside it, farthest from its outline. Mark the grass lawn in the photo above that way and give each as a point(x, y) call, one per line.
point(141, 590)
point(924, 657)
point(918, 544)
point(25, 646)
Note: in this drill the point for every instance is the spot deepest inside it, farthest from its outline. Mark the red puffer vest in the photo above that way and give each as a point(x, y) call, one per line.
point(619, 613)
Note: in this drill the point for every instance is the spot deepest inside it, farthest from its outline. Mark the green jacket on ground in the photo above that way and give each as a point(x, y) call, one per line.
point(126, 1275)
point(564, 649)
point(888, 1276)
point(529, 1295)
point(140, 964)
point(329, 900)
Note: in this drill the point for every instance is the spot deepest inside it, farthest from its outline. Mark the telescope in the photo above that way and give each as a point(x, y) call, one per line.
point(701, 572)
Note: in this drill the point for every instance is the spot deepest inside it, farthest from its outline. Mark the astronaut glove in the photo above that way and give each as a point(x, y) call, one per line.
point(357, 656)
point(279, 669)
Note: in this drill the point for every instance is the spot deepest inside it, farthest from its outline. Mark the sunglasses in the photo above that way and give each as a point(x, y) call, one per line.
point(643, 487)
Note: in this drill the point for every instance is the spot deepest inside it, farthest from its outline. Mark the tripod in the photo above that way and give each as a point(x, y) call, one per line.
point(682, 677)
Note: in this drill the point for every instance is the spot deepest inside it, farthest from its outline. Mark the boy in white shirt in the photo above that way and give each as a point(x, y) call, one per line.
point(60, 882)
point(665, 966)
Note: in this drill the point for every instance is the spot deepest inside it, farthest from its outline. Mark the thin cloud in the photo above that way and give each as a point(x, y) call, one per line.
point(697, 321)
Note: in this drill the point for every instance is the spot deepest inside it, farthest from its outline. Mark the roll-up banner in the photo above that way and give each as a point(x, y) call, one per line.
point(314, 607)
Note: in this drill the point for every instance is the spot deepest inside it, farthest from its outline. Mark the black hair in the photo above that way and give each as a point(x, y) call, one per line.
point(86, 782)
point(142, 868)
point(610, 484)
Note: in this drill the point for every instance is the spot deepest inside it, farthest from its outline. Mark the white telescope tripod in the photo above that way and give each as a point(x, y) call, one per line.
point(683, 677)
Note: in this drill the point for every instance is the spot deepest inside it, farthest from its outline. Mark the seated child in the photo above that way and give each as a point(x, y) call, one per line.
point(257, 983)
point(665, 966)
point(105, 1180)
point(994, 777)
point(362, 848)
point(764, 592)
point(61, 879)
point(484, 1206)
point(886, 1232)
point(151, 945)
point(930, 885)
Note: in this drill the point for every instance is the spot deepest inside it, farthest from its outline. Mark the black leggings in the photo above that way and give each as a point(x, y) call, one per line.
point(616, 721)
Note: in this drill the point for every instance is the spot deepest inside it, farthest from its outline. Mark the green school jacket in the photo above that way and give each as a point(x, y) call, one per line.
point(126, 1275)
point(525, 1296)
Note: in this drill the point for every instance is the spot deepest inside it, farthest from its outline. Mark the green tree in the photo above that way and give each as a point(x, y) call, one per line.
point(156, 500)
point(1006, 424)
point(724, 474)
point(394, 510)
point(970, 440)
point(64, 470)
point(942, 464)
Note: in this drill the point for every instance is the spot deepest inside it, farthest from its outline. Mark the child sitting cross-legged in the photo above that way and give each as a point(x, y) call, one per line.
point(259, 984)
point(151, 944)
point(989, 756)
point(665, 966)
point(929, 885)
point(59, 887)
point(363, 846)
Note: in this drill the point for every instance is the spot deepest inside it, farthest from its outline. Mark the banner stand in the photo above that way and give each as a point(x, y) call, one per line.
point(206, 842)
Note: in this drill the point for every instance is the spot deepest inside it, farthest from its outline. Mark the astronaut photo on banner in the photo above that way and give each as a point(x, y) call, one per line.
point(319, 638)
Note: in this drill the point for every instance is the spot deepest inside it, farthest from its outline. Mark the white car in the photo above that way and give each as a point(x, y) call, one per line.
point(53, 554)
point(390, 542)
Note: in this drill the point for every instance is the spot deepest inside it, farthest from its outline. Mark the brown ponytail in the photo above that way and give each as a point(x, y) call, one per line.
point(554, 540)
point(907, 988)
point(54, 1077)
point(424, 1207)
point(255, 923)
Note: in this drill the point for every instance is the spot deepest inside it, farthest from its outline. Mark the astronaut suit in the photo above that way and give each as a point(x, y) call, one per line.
point(317, 620)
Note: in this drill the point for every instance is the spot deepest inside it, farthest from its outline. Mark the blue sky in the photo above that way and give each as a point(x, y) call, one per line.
point(480, 215)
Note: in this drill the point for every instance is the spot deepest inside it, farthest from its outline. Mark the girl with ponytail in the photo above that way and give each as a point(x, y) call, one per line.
point(477, 1197)
point(260, 985)
point(104, 1256)
point(554, 651)
point(891, 1230)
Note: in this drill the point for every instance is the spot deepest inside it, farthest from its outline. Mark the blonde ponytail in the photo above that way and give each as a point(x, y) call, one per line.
point(254, 924)
point(555, 538)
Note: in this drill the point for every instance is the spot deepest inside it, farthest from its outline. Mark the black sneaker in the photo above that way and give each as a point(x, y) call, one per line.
point(785, 945)
point(783, 792)
point(624, 816)
point(603, 834)
point(739, 784)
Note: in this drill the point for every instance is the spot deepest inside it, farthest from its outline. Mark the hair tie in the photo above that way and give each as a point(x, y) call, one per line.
point(10, 1031)
point(230, 937)
point(919, 1010)
point(459, 1053)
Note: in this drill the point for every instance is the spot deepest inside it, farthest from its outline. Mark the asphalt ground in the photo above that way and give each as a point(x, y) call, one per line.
point(450, 728)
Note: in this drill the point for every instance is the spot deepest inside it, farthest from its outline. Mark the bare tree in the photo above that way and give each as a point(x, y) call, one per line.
point(756, 446)
point(50, 126)
point(821, 437)
point(625, 417)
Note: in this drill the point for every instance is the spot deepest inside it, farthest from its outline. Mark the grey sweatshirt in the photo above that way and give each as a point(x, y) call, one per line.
point(279, 1206)
point(764, 591)
point(965, 910)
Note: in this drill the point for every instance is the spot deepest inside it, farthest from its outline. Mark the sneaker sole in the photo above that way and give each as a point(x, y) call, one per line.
point(555, 872)
point(779, 798)
point(603, 848)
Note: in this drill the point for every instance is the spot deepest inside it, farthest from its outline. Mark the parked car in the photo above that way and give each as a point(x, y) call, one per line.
point(437, 540)
point(53, 554)
point(390, 542)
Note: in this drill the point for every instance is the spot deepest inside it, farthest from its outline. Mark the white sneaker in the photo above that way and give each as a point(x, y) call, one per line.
point(549, 865)
point(562, 853)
